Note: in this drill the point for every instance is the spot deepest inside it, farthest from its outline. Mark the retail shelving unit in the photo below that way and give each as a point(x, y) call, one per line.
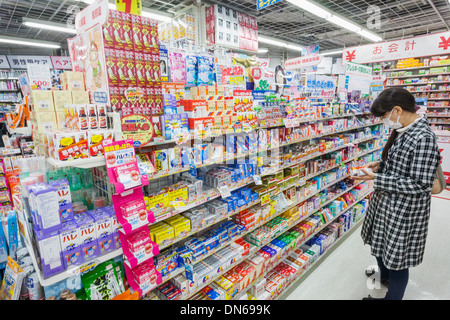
point(433, 84)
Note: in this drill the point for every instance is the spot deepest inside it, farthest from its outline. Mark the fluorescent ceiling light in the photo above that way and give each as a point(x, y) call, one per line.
point(278, 43)
point(263, 50)
point(28, 42)
point(331, 53)
point(323, 13)
point(344, 24)
point(294, 47)
point(312, 8)
point(47, 25)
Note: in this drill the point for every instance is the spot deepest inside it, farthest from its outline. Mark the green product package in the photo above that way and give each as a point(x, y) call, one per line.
point(102, 283)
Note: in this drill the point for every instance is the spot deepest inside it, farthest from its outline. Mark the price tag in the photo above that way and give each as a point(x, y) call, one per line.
point(257, 179)
point(224, 191)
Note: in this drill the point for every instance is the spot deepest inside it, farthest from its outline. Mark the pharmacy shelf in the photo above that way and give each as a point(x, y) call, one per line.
point(256, 248)
point(438, 99)
point(447, 123)
point(9, 90)
point(249, 154)
point(261, 223)
point(438, 116)
point(416, 84)
point(214, 194)
point(416, 68)
point(229, 215)
point(327, 251)
point(438, 107)
point(9, 151)
point(420, 75)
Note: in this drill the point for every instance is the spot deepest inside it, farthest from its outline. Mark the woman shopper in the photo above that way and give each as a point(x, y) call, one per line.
point(396, 223)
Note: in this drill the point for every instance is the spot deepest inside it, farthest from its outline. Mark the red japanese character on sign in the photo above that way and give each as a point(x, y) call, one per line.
point(410, 45)
point(377, 50)
point(351, 55)
point(83, 21)
point(393, 48)
point(445, 43)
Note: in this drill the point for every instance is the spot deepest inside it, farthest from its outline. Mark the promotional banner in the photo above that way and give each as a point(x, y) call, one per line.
point(129, 6)
point(39, 76)
point(137, 128)
point(95, 13)
point(261, 4)
point(87, 55)
point(358, 78)
point(421, 46)
point(303, 62)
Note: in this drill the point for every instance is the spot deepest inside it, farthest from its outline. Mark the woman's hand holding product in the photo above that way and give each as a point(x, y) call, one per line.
point(363, 173)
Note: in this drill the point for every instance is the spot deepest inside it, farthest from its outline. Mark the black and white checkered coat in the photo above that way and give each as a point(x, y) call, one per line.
point(396, 224)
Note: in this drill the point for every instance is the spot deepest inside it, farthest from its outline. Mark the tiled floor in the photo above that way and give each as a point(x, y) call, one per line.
point(340, 276)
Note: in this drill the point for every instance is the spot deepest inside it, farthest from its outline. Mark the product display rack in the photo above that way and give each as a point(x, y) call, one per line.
point(303, 241)
point(254, 249)
point(431, 93)
point(279, 213)
point(116, 253)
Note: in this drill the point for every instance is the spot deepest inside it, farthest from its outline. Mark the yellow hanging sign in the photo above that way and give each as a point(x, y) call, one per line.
point(129, 6)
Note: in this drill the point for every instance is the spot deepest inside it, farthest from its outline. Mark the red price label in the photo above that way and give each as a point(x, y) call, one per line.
point(256, 73)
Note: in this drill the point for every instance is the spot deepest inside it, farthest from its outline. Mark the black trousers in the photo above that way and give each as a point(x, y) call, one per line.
point(398, 280)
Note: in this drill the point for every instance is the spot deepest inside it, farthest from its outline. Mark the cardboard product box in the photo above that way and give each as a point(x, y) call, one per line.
point(74, 81)
point(140, 69)
point(136, 25)
point(111, 66)
point(126, 30)
point(108, 31)
point(61, 98)
point(42, 101)
point(80, 97)
point(45, 121)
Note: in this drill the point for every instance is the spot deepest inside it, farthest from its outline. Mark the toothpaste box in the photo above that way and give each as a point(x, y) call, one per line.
point(88, 236)
point(64, 198)
point(69, 237)
point(50, 253)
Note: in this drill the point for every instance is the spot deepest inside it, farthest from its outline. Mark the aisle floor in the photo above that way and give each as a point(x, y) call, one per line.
point(340, 276)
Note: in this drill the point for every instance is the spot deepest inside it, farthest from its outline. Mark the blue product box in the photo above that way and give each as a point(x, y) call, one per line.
point(246, 194)
point(254, 196)
point(173, 124)
point(240, 229)
point(222, 234)
point(211, 243)
point(185, 152)
point(185, 256)
point(269, 250)
point(231, 227)
point(230, 203)
point(64, 198)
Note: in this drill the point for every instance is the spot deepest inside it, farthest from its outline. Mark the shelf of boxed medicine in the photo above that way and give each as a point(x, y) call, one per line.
point(234, 156)
point(420, 75)
point(100, 161)
point(320, 228)
point(324, 254)
point(253, 248)
point(170, 276)
point(118, 252)
point(214, 194)
point(416, 68)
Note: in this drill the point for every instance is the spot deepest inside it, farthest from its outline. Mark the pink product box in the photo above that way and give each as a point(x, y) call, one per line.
point(144, 273)
point(139, 241)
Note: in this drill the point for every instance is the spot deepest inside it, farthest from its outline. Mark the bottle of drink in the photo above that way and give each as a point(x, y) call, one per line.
point(83, 119)
point(93, 124)
point(102, 123)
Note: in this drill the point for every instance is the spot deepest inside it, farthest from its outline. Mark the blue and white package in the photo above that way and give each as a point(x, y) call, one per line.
point(205, 70)
point(191, 70)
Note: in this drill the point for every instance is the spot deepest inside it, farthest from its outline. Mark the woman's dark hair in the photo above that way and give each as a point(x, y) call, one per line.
point(386, 101)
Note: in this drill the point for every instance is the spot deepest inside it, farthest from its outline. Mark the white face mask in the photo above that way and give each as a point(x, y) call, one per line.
point(391, 124)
